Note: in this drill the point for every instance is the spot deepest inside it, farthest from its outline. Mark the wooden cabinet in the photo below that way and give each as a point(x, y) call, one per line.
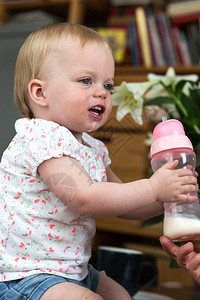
point(138, 74)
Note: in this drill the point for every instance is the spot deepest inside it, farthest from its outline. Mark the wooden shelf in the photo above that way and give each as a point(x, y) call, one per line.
point(138, 74)
point(75, 8)
point(18, 5)
point(128, 227)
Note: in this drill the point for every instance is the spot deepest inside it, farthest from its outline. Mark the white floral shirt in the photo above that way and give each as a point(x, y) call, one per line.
point(38, 233)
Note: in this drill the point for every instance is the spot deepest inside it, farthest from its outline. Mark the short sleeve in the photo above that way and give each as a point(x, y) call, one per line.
point(42, 140)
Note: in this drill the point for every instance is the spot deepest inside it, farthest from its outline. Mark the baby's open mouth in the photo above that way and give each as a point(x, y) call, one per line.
point(97, 110)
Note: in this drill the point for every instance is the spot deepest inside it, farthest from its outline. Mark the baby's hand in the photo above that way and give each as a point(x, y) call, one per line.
point(172, 185)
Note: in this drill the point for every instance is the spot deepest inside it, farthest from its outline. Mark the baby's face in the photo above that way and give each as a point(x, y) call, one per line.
point(78, 82)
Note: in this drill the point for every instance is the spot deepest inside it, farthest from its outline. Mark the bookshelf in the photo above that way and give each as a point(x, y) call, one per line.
point(159, 35)
point(74, 9)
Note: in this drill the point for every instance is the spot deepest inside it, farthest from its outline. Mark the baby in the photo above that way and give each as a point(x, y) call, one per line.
point(55, 178)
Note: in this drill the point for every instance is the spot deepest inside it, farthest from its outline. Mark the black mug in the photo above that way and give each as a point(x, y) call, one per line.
point(127, 267)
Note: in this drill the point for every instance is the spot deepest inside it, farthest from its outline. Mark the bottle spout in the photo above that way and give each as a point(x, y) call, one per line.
point(164, 118)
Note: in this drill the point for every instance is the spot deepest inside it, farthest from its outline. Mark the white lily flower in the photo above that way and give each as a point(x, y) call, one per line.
point(168, 78)
point(129, 99)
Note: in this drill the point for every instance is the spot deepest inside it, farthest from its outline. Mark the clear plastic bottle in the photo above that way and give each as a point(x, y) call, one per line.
point(181, 220)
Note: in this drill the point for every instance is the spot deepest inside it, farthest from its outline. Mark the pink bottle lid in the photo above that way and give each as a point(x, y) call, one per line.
point(169, 134)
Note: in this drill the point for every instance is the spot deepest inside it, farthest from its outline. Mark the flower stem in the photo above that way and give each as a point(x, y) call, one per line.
point(176, 100)
point(196, 128)
point(181, 107)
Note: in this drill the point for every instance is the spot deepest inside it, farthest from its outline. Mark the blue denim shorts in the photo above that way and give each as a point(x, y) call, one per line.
point(34, 286)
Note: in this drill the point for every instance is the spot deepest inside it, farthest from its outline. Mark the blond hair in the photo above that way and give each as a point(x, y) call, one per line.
point(34, 51)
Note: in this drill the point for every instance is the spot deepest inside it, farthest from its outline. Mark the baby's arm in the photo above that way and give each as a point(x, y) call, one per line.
point(110, 198)
point(148, 211)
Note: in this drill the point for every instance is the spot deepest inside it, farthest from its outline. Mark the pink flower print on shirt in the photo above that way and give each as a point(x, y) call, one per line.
point(78, 248)
point(7, 177)
point(28, 128)
point(22, 245)
point(17, 197)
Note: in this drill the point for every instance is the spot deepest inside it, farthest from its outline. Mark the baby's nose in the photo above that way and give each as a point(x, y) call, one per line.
point(100, 93)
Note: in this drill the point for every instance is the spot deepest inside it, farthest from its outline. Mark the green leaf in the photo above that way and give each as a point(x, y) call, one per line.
point(173, 264)
point(178, 90)
point(191, 103)
point(153, 220)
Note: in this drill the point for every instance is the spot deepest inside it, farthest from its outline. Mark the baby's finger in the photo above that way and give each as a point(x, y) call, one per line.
point(185, 197)
point(188, 180)
point(184, 172)
point(185, 189)
point(170, 165)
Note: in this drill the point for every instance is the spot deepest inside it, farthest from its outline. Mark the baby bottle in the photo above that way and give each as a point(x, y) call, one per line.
point(181, 220)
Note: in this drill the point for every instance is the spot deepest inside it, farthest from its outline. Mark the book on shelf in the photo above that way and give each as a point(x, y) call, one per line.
point(136, 57)
point(185, 19)
point(133, 43)
point(127, 52)
point(141, 22)
point(155, 41)
point(178, 44)
point(182, 46)
point(117, 39)
point(192, 31)
point(167, 39)
point(121, 15)
point(183, 8)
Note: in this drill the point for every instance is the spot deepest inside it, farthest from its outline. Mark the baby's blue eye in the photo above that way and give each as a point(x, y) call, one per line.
point(86, 81)
point(108, 87)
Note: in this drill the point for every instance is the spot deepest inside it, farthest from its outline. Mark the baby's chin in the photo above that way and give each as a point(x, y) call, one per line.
point(93, 127)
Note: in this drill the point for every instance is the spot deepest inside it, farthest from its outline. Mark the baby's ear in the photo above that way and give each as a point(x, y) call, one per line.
point(36, 92)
